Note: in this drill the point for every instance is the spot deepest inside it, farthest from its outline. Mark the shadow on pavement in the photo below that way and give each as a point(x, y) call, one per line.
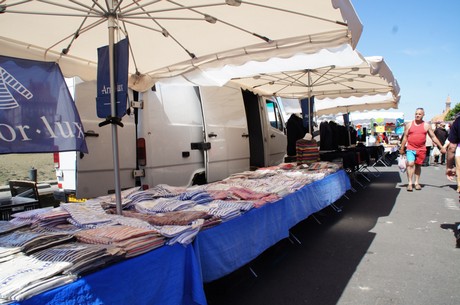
point(318, 269)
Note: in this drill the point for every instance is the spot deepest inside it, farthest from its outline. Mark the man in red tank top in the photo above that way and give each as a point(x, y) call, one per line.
point(415, 137)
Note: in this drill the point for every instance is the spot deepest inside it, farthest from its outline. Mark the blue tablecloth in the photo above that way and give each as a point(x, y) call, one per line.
point(167, 275)
point(229, 246)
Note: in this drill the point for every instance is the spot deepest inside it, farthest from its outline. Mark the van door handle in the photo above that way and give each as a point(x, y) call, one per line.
point(245, 135)
point(272, 136)
point(212, 135)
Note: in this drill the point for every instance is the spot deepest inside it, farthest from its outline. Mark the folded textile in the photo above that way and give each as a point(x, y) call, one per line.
point(133, 241)
point(22, 271)
point(84, 257)
point(184, 217)
point(162, 205)
point(29, 241)
point(7, 226)
point(86, 213)
point(187, 233)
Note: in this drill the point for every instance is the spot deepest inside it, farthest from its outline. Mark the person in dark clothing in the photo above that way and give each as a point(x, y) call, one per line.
point(295, 131)
point(453, 153)
point(453, 160)
point(442, 134)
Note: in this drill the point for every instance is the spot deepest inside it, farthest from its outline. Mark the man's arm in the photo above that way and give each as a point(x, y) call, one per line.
point(404, 140)
point(450, 160)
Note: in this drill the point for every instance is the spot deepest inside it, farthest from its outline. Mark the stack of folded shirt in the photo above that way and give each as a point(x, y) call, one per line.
point(7, 226)
point(181, 234)
point(131, 222)
point(110, 200)
point(24, 276)
point(211, 222)
point(180, 218)
point(85, 258)
point(199, 196)
point(29, 216)
point(7, 253)
point(29, 241)
point(162, 205)
point(88, 214)
point(134, 241)
point(53, 217)
point(225, 213)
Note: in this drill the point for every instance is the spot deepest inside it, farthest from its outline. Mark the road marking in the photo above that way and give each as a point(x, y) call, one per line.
point(451, 204)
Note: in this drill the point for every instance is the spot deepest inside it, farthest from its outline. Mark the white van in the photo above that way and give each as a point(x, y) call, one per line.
point(176, 135)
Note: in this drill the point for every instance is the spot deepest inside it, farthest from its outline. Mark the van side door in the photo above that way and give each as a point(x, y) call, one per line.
point(225, 129)
point(275, 132)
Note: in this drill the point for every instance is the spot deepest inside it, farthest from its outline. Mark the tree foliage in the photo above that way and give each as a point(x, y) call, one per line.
point(451, 114)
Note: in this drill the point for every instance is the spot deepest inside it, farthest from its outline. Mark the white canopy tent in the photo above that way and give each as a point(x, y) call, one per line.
point(170, 38)
point(364, 118)
point(362, 103)
point(369, 86)
point(347, 74)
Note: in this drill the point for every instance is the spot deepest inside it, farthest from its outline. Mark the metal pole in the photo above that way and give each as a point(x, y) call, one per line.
point(348, 128)
point(309, 103)
point(113, 88)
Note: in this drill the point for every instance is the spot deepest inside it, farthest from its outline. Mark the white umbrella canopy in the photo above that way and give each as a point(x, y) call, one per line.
point(328, 106)
point(348, 74)
point(168, 38)
point(341, 105)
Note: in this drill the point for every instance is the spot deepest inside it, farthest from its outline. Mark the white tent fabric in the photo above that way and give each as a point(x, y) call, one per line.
point(347, 74)
point(340, 105)
point(365, 117)
point(168, 38)
point(363, 103)
point(342, 55)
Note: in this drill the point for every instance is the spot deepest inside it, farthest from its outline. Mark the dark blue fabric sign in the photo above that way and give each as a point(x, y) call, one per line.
point(121, 56)
point(346, 119)
point(37, 113)
point(307, 112)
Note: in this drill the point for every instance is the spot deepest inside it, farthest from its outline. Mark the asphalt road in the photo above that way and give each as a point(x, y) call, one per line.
point(387, 246)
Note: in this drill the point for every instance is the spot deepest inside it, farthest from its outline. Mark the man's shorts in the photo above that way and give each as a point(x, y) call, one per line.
point(416, 155)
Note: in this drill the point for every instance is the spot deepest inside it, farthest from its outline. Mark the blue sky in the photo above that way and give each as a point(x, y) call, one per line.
point(420, 42)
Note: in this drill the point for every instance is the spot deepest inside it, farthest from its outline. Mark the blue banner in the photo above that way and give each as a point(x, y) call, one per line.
point(37, 113)
point(307, 106)
point(121, 56)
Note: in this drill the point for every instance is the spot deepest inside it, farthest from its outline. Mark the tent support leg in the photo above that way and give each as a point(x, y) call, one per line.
point(253, 272)
point(294, 237)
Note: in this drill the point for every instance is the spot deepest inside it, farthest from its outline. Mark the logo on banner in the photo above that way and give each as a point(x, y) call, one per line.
point(37, 113)
point(7, 82)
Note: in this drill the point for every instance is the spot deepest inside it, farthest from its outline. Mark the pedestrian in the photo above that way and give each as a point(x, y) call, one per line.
point(415, 137)
point(428, 145)
point(453, 153)
point(453, 161)
point(442, 134)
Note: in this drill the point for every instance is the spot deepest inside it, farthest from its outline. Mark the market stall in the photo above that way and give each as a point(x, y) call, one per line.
point(168, 241)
